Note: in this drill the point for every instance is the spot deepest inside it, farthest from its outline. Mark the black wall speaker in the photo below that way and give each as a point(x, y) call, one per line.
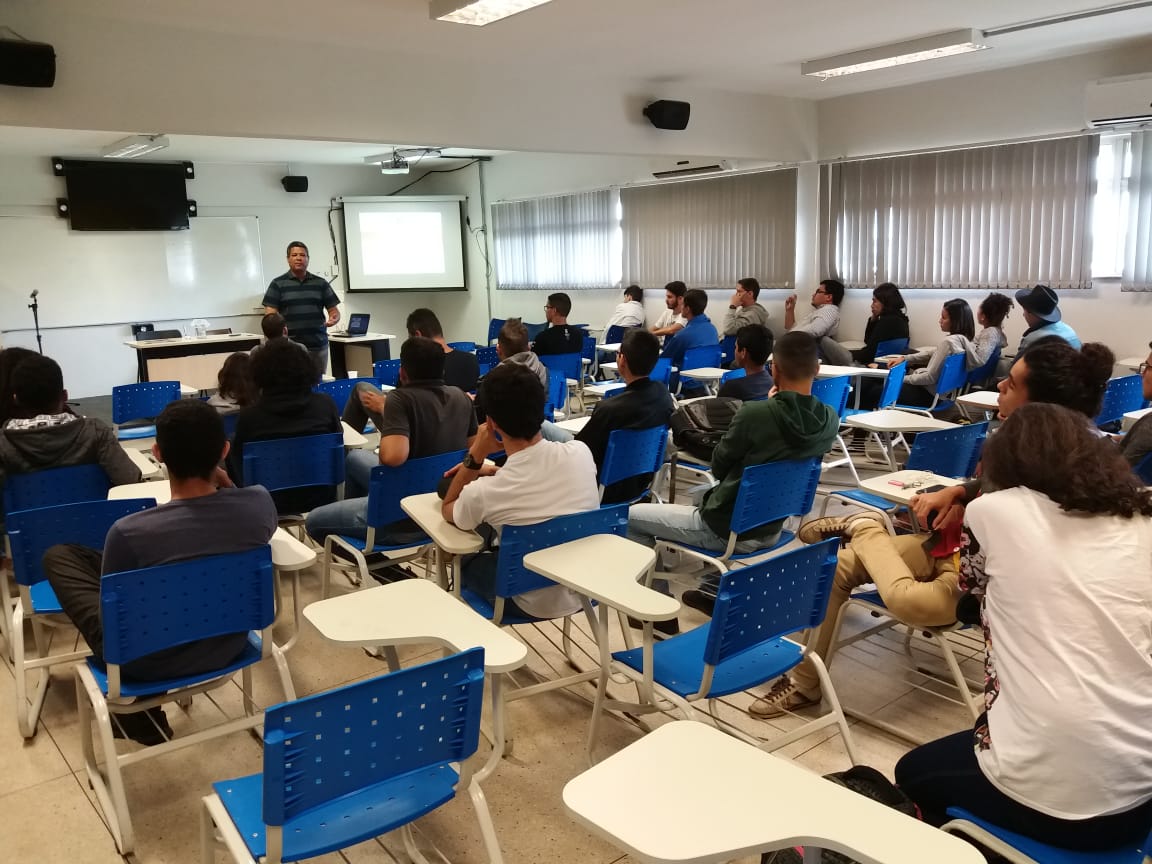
point(294, 183)
point(27, 64)
point(668, 114)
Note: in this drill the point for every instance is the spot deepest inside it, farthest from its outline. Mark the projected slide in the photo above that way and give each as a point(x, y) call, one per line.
point(404, 243)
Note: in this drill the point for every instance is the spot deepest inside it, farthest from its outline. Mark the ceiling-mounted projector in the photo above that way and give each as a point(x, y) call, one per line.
point(396, 165)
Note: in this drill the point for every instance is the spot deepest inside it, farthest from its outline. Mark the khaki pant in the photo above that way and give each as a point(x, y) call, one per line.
point(916, 587)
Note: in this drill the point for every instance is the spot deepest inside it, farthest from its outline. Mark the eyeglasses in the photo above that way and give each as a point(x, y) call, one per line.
point(1144, 367)
point(820, 291)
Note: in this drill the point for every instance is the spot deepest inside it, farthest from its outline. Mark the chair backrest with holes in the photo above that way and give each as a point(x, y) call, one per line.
point(948, 452)
point(142, 401)
point(890, 392)
point(833, 392)
point(390, 484)
point(293, 463)
point(774, 491)
point(341, 389)
point(632, 453)
point(54, 486)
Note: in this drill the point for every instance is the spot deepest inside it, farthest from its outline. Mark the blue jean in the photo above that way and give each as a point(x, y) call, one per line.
point(551, 432)
point(358, 467)
point(350, 516)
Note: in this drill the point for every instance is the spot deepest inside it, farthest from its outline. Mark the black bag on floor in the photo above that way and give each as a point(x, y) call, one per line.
point(867, 782)
point(698, 426)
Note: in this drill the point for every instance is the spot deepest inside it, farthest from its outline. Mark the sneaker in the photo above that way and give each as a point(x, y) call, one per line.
point(782, 698)
point(699, 601)
point(660, 629)
point(826, 527)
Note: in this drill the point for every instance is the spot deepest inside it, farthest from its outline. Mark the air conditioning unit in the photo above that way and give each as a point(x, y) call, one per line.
point(693, 168)
point(1119, 101)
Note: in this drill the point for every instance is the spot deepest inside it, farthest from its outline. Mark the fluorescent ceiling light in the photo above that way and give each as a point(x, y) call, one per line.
point(896, 54)
point(133, 146)
point(478, 12)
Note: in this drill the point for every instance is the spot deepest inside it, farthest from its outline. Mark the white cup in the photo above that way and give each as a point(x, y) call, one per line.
point(352, 373)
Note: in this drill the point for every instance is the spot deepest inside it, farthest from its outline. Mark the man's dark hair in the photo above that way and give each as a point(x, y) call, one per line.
point(10, 358)
point(891, 300)
point(995, 308)
point(1061, 375)
point(426, 322)
point(561, 302)
point(756, 339)
point(283, 365)
point(696, 301)
point(751, 285)
point(836, 289)
point(37, 386)
point(676, 287)
point(796, 356)
point(422, 359)
point(513, 337)
point(272, 325)
point(960, 320)
point(296, 243)
point(641, 349)
point(634, 292)
point(190, 435)
point(514, 400)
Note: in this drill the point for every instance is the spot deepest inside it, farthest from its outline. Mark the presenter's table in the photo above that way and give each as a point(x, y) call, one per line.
point(357, 352)
point(193, 362)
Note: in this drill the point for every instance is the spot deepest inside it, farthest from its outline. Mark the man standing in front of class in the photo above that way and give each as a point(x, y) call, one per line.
point(304, 299)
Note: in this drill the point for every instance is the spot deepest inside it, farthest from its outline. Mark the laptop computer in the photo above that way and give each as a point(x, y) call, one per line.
point(357, 325)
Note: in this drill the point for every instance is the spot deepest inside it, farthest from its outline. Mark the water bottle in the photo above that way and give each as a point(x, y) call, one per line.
point(199, 328)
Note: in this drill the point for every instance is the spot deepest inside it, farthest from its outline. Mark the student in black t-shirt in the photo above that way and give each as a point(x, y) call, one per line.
point(560, 337)
point(753, 345)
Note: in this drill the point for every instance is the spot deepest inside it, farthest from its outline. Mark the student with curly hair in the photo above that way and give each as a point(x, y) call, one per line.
point(990, 316)
point(234, 380)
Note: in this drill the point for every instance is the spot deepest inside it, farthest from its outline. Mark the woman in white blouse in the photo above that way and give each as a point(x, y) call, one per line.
point(1061, 553)
point(924, 366)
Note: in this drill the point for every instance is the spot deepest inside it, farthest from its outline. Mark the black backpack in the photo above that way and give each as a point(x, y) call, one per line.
point(698, 426)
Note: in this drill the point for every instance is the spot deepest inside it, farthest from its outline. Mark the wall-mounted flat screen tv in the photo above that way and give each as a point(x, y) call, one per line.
point(106, 195)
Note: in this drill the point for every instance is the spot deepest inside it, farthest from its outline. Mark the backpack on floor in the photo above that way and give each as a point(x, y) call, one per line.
point(865, 781)
point(698, 426)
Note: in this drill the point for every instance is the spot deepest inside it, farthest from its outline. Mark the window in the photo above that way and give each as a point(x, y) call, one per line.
point(1004, 217)
point(709, 233)
point(1137, 268)
point(564, 242)
point(1110, 207)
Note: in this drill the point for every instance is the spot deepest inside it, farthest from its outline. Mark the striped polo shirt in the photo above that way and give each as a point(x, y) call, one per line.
point(303, 303)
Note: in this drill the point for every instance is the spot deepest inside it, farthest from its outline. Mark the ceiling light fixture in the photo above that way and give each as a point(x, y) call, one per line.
point(134, 146)
point(478, 12)
point(896, 54)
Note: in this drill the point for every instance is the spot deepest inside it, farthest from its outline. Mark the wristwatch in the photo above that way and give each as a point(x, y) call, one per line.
point(472, 464)
point(732, 306)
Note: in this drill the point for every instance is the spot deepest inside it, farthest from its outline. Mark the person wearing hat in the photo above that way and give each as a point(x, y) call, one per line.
point(1042, 314)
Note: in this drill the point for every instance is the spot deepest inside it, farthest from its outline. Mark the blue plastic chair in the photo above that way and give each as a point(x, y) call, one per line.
point(334, 775)
point(1122, 395)
point(633, 453)
point(951, 380)
point(30, 534)
point(466, 347)
point(615, 334)
point(588, 352)
point(982, 375)
point(727, 350)
point(534, 330)
point(889, 393)
point(733, 374)
point(1018, 849)
point(833, 392)
point(557, 402)
point(494, 326)
point(142, 401)
point(387, 372)
point(293, 463)
point(155, 609)
point(662, 371)
point(486, 357)
point(891, 346)
point(54, 486)
point(745, 644)
point(571, 367)
point(387, 487)
point(701, 357)
point(341, 389)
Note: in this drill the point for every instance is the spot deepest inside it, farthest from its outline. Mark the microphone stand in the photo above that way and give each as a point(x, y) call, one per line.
point(35, 307)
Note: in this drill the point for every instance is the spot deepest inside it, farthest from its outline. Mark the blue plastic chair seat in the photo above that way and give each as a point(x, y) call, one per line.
point(678, 663)
point(1046, 854)
point(866, 498)
point(44, 601)
point(139, 689)
point(362, 544)
point(351, 819)
point(134, 432)
point(485, 609)
point(786, 537)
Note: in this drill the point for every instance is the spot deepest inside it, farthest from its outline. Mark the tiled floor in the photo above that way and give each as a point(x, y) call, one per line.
point(51, 816)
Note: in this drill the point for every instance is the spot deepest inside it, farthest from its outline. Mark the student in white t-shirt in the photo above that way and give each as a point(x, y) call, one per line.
point(541, 480)
point(1061, 556)
point(672, 319)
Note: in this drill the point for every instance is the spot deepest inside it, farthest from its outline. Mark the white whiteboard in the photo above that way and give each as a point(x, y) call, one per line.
point(104, 277)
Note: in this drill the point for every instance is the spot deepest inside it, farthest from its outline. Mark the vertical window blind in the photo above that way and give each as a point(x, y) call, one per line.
point(709, 233)
point(1006, 217)
point(562, 242)
point(1137, 274)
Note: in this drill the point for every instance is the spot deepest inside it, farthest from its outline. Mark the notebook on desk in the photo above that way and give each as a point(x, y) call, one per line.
point(357, 325)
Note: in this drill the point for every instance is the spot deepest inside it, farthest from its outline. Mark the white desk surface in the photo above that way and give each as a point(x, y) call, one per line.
point(606, 568)
point(916, 482)
point(1132, 363)
point(190, 341)
point(288, 553)
point(747, 801)
point(425, 511)
point(148, 468)
point(609, 346)
point(187, 391)
point(1129, 419)
point(705, 373)
point(574, 425)
point(852, 345)
point(352, 438)
point(891, 420)
point(828, 370)
point(926, 349)
point(985, 400)
point(367, 337)
point(604, 387)
point(414, 612)
point(611, 366)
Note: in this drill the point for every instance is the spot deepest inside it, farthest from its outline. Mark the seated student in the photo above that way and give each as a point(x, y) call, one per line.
point(743, 308)
point(672, 319)
point(9, 359)
point(422, 417)
point(630, 313)
point(1041, 307)
point(1058, 555)
point(1138, 442)
point(920, 383)
point(792, 424)
point(43, 434)
point(920, 586)
point(642, 404)
point(560, 337)
point(990, 316)
point(205, 517)
point(541, 480)
point(697, 332)
point(753, 345)
point(234, 382)
point(285, 407)
point(824, 319)
point(461, 369)
point(273, 326)
point(889, 320)
point(512, 347)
